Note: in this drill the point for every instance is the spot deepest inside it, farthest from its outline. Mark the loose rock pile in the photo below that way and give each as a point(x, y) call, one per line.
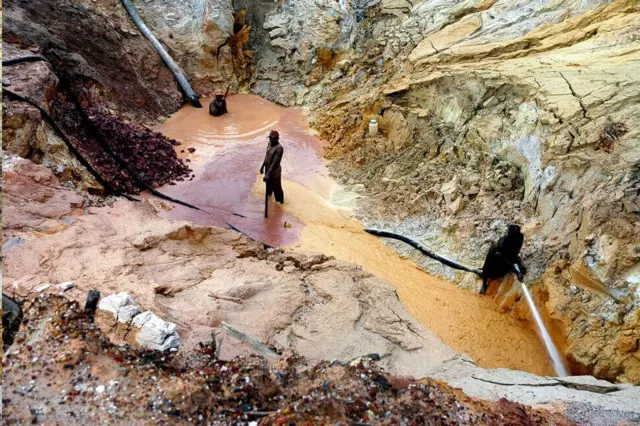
point(150, 154)
point(63, 369)
point(144, 156)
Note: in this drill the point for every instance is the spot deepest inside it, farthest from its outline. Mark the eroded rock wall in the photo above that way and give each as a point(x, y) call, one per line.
point(195, 33)
point(97, 43)
point(491, 112)
point(26, 134)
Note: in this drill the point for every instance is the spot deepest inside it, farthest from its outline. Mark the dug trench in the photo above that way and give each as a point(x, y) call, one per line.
point(226, 156)
point(323, 288)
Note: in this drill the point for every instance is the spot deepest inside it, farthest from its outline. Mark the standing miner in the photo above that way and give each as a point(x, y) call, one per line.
point(271, 167)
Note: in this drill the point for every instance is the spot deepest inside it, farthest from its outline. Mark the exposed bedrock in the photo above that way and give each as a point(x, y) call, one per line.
point(491, 113)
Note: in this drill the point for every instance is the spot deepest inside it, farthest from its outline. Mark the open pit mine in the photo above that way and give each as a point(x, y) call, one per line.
point(340, 212)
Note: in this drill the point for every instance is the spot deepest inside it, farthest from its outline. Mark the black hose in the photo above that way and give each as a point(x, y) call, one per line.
point(45, 115)
point(424, 250)
point(243, 233)
point(100, 141)
point(162, 52)
point(47, 118)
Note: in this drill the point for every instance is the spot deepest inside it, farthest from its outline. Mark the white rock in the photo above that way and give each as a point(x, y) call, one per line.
point(456, 206)
point(100, 389)
point(68, 285)
point(115, 302)
point(336, 75)
point(343, 64)
point(275, 21)
point(278, 32)
point(451, 189)
point(155, 333)
point(43, 287)
point(127, 313)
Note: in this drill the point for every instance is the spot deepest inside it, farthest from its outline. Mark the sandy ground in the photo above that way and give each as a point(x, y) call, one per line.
point(228, 154)
point(123, 248)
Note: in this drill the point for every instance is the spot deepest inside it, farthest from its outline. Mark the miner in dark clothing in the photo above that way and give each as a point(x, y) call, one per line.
point(218, 106)
point(271, 167)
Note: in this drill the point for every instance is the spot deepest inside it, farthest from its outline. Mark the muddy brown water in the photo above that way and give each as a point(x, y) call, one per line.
point(228, 153)
point(227, 157)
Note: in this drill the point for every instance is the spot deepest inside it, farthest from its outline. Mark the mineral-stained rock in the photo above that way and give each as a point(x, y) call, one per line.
point(515, 97)
point(150, 155)
point(99, 44)
point(25, 133)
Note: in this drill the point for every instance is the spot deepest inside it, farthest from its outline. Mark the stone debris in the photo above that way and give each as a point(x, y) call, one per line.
point(41, 288)
point(152, 331)
point(149, 154)
point(115, 302)
point(155, 333)
point(65, 286)
point(84, 378)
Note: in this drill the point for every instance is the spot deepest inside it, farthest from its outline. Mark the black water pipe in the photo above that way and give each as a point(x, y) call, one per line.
point(423, 250)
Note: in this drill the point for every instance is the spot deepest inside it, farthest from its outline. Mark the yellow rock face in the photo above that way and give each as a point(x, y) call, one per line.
point(554, 92)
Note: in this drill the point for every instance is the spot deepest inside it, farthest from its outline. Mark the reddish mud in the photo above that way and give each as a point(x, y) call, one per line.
point(228, 153)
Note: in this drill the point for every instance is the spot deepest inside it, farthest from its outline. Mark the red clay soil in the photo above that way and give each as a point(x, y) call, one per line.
point(63, 370)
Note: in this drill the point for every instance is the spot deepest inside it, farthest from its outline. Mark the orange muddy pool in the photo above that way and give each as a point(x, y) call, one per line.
point(227, 186)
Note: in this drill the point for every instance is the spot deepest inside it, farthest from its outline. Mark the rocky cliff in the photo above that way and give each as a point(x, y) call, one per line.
point(490, 112)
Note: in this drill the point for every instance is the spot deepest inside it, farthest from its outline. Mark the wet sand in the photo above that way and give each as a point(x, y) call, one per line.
point(229, 151)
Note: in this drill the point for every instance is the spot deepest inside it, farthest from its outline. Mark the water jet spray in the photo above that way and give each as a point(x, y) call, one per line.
point(558, 365)
point(553, 352)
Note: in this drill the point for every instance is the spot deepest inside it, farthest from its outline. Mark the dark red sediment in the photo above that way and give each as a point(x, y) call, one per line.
point(143, 156)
